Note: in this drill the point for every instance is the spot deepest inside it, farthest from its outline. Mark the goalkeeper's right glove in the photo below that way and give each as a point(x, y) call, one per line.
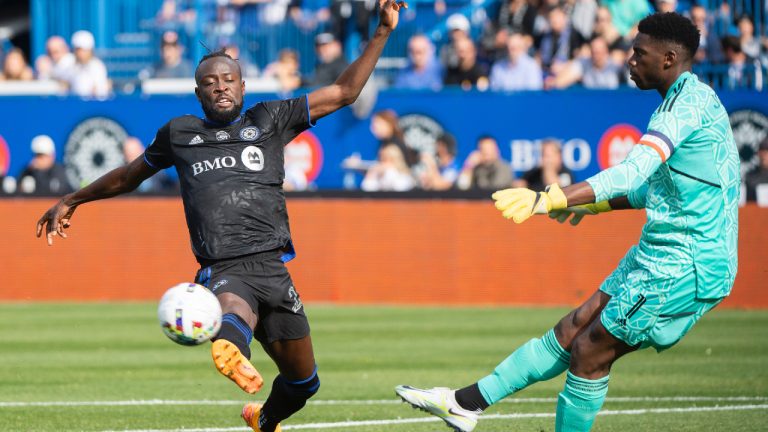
point(579, 212)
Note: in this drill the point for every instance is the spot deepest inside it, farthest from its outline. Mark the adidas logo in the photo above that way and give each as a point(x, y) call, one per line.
point(196, 140)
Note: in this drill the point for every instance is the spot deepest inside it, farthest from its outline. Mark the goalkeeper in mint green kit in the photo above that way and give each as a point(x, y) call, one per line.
point(685, 173)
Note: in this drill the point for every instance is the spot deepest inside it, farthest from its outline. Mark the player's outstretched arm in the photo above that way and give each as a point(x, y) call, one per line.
point(118, 181)
point(623, 180)
point(574, 202)
point(576, 213)
point(348, 86)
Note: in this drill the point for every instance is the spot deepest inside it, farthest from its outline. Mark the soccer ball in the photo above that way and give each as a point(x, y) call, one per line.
point(189, 314)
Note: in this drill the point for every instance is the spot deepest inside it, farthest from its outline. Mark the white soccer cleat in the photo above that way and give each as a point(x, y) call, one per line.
point(440, 402)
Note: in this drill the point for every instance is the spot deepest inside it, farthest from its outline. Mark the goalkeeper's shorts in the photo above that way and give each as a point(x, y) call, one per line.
point(651, 310)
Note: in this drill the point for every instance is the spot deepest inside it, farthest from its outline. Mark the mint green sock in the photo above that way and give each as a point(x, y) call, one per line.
point(537, 360)
point(579, 403)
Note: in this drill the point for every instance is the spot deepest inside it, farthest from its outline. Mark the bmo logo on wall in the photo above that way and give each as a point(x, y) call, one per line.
point(615, 144)
point(304, 154)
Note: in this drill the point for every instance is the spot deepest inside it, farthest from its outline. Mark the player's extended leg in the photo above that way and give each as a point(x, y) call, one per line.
point(297, 382)
point(592, 355)
point(540, 359)
point(230, 349)
point(536, 360)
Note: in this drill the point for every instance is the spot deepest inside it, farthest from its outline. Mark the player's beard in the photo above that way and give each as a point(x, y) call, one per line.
point(221, 116)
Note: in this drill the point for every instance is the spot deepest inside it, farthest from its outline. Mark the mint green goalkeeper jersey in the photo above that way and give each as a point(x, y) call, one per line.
point(685, 172)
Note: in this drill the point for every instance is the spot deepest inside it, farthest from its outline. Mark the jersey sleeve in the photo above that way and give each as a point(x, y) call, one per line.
point(158, 155)
point(638, 196)
point(668, 129)
point(627, 176)
point(291, 117)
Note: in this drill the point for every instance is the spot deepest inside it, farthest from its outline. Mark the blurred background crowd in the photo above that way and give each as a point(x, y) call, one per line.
point(468, 44)
point(445, 45)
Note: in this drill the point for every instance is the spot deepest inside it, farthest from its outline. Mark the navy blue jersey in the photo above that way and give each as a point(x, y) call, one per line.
point(232, 175)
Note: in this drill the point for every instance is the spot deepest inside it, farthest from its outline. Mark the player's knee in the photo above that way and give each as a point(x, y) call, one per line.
point(303, 389)
point(590, 356)
point(233, 304)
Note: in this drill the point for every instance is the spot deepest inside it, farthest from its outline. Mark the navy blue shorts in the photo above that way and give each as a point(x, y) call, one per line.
point(262, 280)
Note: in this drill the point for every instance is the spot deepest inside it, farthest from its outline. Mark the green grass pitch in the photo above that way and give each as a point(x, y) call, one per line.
point(108, 367)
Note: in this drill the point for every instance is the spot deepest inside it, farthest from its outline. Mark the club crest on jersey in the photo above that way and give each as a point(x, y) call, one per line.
point(249, 134)
point(222, 136)
point(253, 158)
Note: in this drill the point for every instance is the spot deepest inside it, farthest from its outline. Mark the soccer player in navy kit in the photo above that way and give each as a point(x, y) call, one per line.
point(230, 165)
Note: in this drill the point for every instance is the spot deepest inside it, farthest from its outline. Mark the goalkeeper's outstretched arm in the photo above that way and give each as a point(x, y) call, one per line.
point(627, 180)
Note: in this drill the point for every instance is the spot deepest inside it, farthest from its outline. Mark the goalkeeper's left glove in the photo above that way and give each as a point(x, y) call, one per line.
point(579, 212)
point(519, 204)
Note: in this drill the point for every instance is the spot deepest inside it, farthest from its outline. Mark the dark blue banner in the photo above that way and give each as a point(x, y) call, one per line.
point(596, 127)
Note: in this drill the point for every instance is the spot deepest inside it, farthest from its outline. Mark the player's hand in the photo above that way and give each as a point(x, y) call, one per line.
point(578, 212)
point(55, 221)
point(519, 204)
point(389, 12)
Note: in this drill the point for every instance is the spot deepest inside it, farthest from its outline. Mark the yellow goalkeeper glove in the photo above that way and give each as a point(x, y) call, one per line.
point(519, 204)
point(579, 211)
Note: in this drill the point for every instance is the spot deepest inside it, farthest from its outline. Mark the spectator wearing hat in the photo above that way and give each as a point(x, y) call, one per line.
point(330, 60)
point(757, 178)
point(56, 61)
point(43, 176)
point(172, 63)
point(424, 71)
point(87, 77)
point(458, 30)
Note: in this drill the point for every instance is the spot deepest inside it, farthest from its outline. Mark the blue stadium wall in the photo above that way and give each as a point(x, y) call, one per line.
point(595, 126)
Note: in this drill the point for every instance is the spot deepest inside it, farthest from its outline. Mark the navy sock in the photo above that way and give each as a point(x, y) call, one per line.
point(235, 330)
point(470, 398)
point(286, 398)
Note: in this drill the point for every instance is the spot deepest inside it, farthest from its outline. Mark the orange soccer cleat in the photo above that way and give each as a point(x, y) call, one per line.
point(251, 413)
point(233, 364)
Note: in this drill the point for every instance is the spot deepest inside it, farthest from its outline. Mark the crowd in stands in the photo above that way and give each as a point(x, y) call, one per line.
point(515, 45)
point(400, 168)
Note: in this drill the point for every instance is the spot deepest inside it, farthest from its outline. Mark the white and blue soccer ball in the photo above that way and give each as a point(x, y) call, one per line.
point(189, 314)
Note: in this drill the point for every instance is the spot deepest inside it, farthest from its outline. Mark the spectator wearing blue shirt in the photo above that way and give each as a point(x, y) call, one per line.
point(441, 169)
point(424, 71)
point(519, 71)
